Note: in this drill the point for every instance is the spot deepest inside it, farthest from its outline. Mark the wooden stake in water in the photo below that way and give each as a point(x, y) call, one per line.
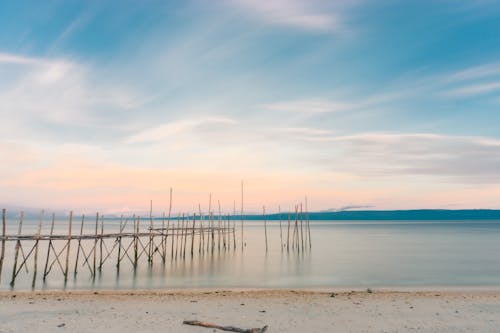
point(201, 244)
point(68, 246)
point(136, 245)
point(150, 243)
point(79, 245)
point(210, 230)
point(49, 246)
point(168, 225)
point(185, 235)
point(182, 237)
point(281, 232)
point(101, 242)
point(18, 245)
point(119, 238)
point(2, 253)
point(177, 236)
point(241, 217)
point(234, 225)
point(95, 244)
point(295, 228)
point(174, 233)
point(219, 224)
point(35, 262)
point(301, 231)
point(308, 226)
point(192, 235)
point(288, 234)
point(265, 223)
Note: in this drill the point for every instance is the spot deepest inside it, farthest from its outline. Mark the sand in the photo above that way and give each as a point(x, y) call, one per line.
point(281, 310)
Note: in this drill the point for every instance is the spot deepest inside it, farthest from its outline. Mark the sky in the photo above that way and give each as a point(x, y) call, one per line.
point(106, 105)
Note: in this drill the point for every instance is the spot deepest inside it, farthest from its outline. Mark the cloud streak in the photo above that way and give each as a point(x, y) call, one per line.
point(310, 15)
point(177, 128)
point(453, 158)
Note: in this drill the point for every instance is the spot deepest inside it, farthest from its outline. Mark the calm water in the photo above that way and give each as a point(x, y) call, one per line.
point(344, 254)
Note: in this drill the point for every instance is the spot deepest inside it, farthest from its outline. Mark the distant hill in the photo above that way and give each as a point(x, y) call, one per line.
point(419, 214)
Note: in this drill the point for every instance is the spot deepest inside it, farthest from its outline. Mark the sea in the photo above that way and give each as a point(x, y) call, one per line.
point(341, 254)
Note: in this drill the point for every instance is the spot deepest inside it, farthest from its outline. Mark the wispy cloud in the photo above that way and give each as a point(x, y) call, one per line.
point(309, 106)
point(56, 93)
point(453, 158)
point(310, 15)
point(14, 59)
point(473, 81)
point(178, 127)
point(475, 89)
point(76, 24)
point(475, 72)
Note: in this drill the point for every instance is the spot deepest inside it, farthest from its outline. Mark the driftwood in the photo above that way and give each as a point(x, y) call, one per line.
point(225, 328)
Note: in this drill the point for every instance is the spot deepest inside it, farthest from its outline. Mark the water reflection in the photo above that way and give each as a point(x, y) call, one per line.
point(382, 253)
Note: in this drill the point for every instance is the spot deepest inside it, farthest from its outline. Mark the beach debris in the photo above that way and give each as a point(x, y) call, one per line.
point(369, 291)
point(225, 328)
point(61, 325)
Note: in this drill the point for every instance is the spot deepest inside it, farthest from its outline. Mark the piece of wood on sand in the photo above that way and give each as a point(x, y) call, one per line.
point(225, 328)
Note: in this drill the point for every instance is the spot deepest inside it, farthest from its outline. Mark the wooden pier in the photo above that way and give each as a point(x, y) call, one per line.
point(185, 233)
point(133, 239)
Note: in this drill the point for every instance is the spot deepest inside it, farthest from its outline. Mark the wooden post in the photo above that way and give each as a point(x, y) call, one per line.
point(288, 234)
point(296, 228)
point(308, 226)
point(95, 245)
point(185, 235)
point(177, 235)
point(68, 246)
point(168, 224)
point(79, 245)
point(136, 244)
point(49, 246)
point(234, 225)
point(202, 237)
point(281, 232)
point(219, 225)
point(2, 254)
point(150, 244)
point(100, 243)
point(192, 235)
point(241, 217)
point(209, 221)
point(301, 231)
point(163, 236)
point(212, 223)
point(119, 244)
point(294, 237)
point(228, 235)
point(35, 262)
point(173, 238)
point(166, 237)
point(234, 233)
point(18, 245)
point(265, 223)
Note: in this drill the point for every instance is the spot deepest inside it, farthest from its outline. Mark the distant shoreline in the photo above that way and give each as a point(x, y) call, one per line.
point(403, 215)
point(345, 215)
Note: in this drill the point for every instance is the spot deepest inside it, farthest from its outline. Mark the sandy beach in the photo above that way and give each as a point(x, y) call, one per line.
point(281, 310)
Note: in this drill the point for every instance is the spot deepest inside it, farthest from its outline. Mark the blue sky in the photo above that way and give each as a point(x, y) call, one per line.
point(391, 104)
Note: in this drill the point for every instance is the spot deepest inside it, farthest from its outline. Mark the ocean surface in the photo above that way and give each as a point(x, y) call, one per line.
point(357, 254)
